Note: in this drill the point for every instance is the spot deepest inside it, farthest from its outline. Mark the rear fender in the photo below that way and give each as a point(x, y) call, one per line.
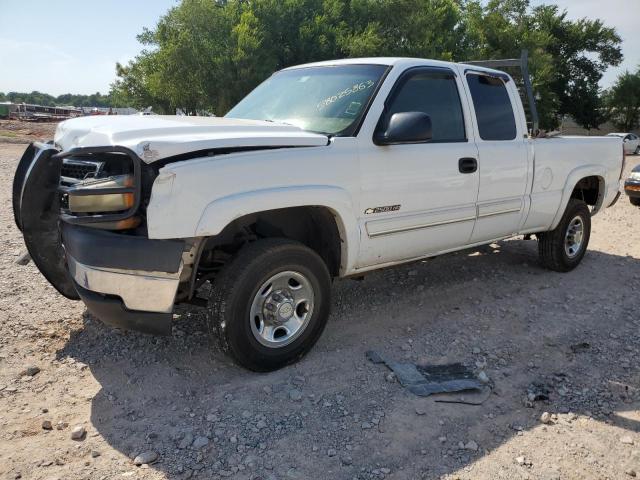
point(574, 177)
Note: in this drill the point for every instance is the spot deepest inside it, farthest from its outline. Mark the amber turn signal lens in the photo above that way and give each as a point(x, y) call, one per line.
point(126, 224)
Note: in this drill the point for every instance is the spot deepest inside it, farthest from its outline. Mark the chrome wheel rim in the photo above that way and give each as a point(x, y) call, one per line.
point(281, 309)
point(574, 237)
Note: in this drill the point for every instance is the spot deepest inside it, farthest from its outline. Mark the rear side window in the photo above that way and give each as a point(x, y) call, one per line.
point(436, 94)
point(493, 108)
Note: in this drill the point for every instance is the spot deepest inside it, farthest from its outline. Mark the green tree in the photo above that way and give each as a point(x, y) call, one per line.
point(623, 101)
point(206, 55)
point(568, 58)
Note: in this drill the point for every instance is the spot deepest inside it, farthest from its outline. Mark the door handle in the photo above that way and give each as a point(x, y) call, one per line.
point(467, 165)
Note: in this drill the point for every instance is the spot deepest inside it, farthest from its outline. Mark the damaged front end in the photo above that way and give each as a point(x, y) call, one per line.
point(82, 215)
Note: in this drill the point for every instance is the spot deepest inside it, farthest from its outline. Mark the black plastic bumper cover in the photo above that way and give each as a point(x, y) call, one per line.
point(99, 248)
point(112, 311)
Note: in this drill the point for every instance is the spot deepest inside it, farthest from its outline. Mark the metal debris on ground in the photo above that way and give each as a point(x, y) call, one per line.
point(23, 259)
point(580, 347)
point(431, 379)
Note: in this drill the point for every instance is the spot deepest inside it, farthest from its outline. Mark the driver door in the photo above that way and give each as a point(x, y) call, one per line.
point(420, 198)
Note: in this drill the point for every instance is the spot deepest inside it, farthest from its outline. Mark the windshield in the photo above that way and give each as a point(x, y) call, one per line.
point(328, 100)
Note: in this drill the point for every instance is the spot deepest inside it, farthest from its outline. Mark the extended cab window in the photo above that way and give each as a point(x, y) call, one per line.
point(493, 107)
point(436, 94)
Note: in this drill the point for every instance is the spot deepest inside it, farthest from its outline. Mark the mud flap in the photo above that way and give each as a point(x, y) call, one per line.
point(36, 210)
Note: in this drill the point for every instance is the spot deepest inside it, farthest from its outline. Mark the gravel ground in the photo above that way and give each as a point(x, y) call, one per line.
point(79, 400)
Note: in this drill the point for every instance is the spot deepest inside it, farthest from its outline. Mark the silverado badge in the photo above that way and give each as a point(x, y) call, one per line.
point(386, 208)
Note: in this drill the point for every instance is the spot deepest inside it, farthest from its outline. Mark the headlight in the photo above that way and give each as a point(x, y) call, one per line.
point(84, 198)
point(635, 176)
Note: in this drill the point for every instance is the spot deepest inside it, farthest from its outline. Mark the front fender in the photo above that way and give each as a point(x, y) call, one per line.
point(222, 211)
point(572, 180)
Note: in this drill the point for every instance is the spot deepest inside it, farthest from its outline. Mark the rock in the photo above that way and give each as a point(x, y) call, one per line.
point(476, 351)
point(521, 460)
point(483, 377)
point(95, 453)
point(346, 460)
point(332, 452)
point(30, 371)
point(385, 471)
point(442, 439)
point(145, 458)
point(627, 440)
point(186, 441)
point(295, 395)
point(200, 442)
point(471, 445)
point(78, 432)
point(481, 363)
point(366, 426)
point(261, 424)
point(390, 377)
point(46, 425)
point(420, 411)
point(545, 418)
point(631, 472)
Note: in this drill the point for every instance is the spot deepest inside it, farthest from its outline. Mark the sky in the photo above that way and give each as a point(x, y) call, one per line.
point(72, 46)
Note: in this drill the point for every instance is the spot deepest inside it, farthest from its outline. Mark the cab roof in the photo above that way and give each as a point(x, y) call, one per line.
point(403, 62)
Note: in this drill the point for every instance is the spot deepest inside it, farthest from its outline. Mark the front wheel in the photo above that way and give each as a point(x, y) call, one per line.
point(562, 248)
point(635, 201)
point(270, 303)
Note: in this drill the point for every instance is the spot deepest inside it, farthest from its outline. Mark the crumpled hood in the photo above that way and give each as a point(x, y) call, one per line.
point(154, 137)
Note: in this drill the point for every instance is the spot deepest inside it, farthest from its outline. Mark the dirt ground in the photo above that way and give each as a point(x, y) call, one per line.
point(334, 415)
point(19, 132)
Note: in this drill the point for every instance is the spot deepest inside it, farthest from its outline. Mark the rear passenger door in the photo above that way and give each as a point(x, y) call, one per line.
point(503, 161)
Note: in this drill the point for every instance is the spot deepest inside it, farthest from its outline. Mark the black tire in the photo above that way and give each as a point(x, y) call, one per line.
point(237, 284)
point(551, 245)
point(635, 201)
point(637, 151)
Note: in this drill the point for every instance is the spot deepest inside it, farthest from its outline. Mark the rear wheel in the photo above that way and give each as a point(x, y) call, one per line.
point(635, 201)
point(562, 249)
point(269, 305)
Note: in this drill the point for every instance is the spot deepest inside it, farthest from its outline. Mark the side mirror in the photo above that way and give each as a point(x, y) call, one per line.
point(405, 127)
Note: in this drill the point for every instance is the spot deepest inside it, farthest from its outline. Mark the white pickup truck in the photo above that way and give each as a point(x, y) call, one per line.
point(325, 170)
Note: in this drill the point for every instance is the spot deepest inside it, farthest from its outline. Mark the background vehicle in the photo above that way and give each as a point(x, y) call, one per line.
point(631, 142)
point(632, 186)
point(325, 170)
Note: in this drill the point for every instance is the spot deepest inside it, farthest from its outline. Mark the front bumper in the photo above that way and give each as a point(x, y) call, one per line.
point(110, 310)
point(126, 281)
